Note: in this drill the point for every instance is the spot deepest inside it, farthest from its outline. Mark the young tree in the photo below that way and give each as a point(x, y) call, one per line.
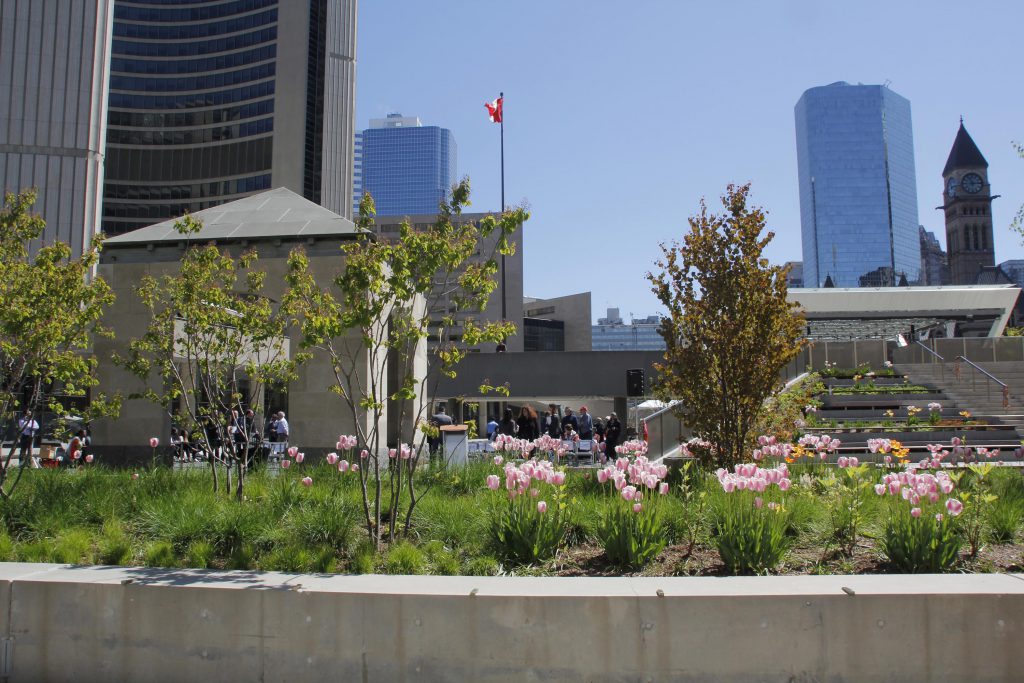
point(214, 341)
point(375, 320)
point(729, 329)
point(51, 309)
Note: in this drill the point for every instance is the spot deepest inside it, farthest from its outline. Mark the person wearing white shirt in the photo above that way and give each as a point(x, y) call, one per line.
point(27, 429)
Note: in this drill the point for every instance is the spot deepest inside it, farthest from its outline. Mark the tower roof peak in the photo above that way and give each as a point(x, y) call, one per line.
point(965, 154)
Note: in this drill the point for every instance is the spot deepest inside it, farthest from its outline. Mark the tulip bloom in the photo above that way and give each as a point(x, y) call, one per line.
point(135, 476)
point(498, 460)
point(637, 507)
point(307, 482)
point(663, 488)
point(954, 506)
point(285, 463)
point(493, 482)
point(542, 507)
point(915, 512)
point(88, 458)
point(154, 442)
point(343, 466)
point(332, 458)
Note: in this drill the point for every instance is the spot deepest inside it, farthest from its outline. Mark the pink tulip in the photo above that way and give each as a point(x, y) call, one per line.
point(392, 453)
point(364, 454)
point(663, 488)
point(292, 451)
point(332, 458)
point(602, 476)
point(843, 461)
point(493, 482)
point(542, 507)
point(77, 455)
point(135, 476)
point(784, 484)
point(88, 458)
point(637, 507)
point(558, 478)
point(343, 466)
point(854, 461)
point(938, 517)
point(880, 489)
point(915, 512)
point(758, 502)
point(154, 442)
point(299, 457)
point(534, 493)
point(354, 467)
point(307, 482)
point(285, 463)
point(954, 506)
point(498, 460)
point(728, 485)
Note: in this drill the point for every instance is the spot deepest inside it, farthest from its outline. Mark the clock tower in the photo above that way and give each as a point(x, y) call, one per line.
point(967, 205)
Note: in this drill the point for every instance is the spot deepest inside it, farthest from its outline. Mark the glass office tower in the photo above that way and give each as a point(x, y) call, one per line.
point(407, 167)
point(211, 101)
point(858, 192)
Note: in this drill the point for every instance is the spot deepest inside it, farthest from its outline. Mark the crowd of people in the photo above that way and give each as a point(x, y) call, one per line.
point(240, 433)
point(565, 425)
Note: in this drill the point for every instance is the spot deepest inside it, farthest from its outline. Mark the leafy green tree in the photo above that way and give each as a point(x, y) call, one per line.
point(375, 320)
point(213, 343)
point(52, 305)
point(1018, 220)
point(729, 328)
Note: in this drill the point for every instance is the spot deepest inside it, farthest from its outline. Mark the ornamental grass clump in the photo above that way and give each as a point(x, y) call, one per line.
point(751, 520)
point(920, 531)
point(632, 529)
point(529, 528)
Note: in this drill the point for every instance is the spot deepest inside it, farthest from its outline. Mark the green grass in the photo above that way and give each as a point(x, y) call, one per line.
point(174, 519)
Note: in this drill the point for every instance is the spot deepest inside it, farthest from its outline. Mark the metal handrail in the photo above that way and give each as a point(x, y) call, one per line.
point(929, 350)
point(982, 370)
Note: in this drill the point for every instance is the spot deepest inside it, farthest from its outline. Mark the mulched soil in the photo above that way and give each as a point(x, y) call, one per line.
point(588, 559)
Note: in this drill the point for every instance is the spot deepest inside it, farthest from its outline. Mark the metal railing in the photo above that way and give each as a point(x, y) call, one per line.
point(989, 379)
point(665, 432)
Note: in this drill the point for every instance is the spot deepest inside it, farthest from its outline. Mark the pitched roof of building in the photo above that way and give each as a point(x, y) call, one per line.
point(965, 154)
point(272, 214)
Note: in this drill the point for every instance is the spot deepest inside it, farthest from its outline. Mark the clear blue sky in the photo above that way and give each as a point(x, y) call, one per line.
point(620, 116)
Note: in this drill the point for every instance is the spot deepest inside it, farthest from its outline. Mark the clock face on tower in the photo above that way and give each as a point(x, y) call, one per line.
point(971, 183)
point(951, 188)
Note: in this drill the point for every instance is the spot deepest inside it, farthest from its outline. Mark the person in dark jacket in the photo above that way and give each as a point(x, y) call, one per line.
point(552, 424)
point(612, 434)
point(507, 424)
point(526, 424)
point(570, 420)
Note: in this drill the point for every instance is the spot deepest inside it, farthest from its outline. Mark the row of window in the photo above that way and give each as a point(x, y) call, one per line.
point(142, 84)
point(203, 47)
point(198, 118)
point(975, 238)
point(163, 2)
point(129, 13)
point(147, 214)
point(189, 137)
point(974, 211)
point(193, 66)
point(185, 31)
point(141, 165)
point(191, 100)
point(219, 188)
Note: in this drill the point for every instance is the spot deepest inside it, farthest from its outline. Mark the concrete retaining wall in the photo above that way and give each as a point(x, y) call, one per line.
point(113, 624)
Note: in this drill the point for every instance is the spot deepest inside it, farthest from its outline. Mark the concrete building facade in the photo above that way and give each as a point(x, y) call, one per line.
point(858, 192)
point(54, 72)
point(215, 102)
point(272, 223)
point(557, 324)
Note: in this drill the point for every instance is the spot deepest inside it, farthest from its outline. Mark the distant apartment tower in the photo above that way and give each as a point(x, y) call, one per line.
point(54, 67)
point(407, 167)
point(967, 207)
point(858, 193)
point(641, 334)
point(934, 265)
point(212, 102)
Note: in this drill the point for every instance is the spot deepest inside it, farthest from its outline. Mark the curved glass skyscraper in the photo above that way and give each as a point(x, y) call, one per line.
point(214, 100)
point(858, 191)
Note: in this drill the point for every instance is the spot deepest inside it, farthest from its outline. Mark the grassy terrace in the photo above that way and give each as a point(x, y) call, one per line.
point(164, 518)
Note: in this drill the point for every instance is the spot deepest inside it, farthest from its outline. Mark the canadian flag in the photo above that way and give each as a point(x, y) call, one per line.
point(494, 110)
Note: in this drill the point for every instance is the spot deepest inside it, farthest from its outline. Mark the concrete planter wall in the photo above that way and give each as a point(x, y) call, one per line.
point(113, 624)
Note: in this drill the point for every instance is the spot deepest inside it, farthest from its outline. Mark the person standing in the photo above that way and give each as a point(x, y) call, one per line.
point(612, 433)
point(283, 430)
point(552, 424)
point(586, 422)
point(492, 428)
point(27, 430)
point(507, 425)
point(526, 424)
point(569, 420)
point(439, 419)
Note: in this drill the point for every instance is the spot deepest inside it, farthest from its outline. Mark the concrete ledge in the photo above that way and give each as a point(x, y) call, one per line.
point(110, 623)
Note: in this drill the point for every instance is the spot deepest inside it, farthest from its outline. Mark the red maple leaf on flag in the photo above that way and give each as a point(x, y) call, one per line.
point(494, 110)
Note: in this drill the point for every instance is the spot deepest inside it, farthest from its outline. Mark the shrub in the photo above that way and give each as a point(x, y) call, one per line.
point(364, 558)
point(73, 546)
point(115, 547)
point(160, 554)
point(405, 558)
point(200, 554)
point(243, 556)
point(443, 561)
point(483, 565)
point(7, 551)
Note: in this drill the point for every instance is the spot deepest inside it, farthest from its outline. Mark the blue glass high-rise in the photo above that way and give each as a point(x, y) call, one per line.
point(858, 191)
point(408, 168)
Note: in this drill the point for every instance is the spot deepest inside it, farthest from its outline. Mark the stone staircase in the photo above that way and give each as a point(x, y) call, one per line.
point(973, 391)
